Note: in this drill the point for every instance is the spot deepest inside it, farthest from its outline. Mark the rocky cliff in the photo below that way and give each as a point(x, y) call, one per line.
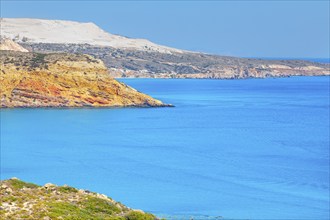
point(63, 80)
point(128, 57)
point(22, 200)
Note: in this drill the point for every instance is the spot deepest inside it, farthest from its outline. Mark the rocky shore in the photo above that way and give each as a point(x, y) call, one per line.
point(22, 200)
point(63, 80)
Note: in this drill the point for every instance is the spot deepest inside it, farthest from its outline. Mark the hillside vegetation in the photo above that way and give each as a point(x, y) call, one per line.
point(22, 200)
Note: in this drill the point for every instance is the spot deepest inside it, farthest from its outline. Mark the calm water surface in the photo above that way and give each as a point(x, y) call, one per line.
point(234, 148)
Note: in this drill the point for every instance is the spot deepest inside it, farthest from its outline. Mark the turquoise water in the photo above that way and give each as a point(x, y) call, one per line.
point(256, 148)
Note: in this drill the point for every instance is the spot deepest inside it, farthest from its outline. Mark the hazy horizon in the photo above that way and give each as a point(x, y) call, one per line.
point(267, 30)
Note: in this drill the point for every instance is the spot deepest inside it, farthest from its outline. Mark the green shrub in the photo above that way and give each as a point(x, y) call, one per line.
point(66, 211)
point(67, 189)
point(92, 208)
point(99, 206)
point(8, 199)
point(134, 215)
point(38, 60)
point(18, 184)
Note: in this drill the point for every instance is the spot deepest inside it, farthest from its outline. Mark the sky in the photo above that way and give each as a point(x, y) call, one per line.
point(266, 29)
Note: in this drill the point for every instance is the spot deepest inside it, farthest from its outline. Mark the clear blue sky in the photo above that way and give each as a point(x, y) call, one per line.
point(297, 29)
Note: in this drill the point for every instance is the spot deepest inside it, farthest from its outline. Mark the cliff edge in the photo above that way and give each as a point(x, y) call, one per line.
point(63, 80)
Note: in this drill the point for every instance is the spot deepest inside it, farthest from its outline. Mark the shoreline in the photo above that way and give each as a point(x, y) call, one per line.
point(224, 79)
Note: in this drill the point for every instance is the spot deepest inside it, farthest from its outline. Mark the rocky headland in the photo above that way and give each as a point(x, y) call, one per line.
point(129, 63)
point(63, 80)
point(140, 58)
point(22, 200)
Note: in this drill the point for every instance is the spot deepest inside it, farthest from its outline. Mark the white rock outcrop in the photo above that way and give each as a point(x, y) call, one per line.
point(65, 32)
point(7, 44)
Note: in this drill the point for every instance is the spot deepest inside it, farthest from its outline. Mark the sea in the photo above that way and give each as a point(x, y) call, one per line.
point(229, 149)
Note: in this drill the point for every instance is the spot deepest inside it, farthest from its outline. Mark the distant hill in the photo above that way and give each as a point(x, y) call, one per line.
point(66, 32)
point(127, 57)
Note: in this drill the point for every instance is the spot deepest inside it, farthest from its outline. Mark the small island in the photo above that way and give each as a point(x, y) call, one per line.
point(22, 200)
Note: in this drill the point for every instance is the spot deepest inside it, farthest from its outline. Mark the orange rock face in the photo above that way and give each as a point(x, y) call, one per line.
point(63, 80)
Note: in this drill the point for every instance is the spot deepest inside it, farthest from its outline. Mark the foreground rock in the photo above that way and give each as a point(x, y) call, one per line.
point(63, 80)
point(21, 200)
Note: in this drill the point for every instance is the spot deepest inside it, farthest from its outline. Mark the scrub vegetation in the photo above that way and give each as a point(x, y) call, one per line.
point(22, 200)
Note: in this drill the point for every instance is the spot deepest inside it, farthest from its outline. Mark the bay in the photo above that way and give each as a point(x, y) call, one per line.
point(254, 148)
